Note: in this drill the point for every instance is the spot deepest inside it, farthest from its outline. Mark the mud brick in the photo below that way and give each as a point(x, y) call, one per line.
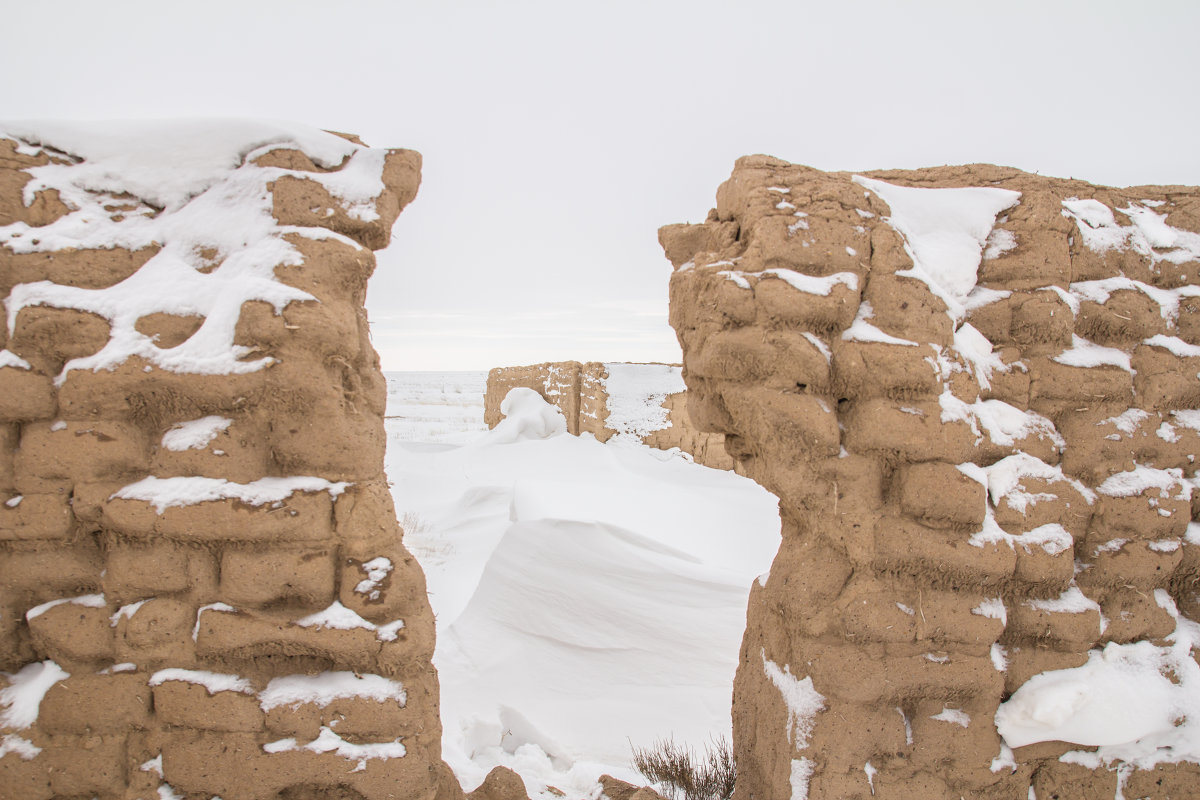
point(773, 245)
point(1042, 318)
point(238, 453)
point(1042, 501)
point(1128, 316)
point(1027, 657)
point(944, 557)
point(44, 574)
point(938, 494)
point(1164, 780)
point(879, 730)
point(743, 355)
point(91, 765)
point(1164, 379)
point(1134, 563)
point(61, 454)
point(879, 369)
point(231, 636)
point(258, 577)
point(365, 513)
point(1047, 570)
point(1076, 628)
point(331, 269)
point(332, 439)
point(71, 633)
point(836, 671)
point(905, 307)
point(76, 266)
point(139, 570)
point(1151, 514)
point(1080, 387)
point(1041, 255)
point(27, 395)
point(778, 299)
point(48, 337)
point(398, 593)
point(235, 766)
point(949, 618)
point(939, 735)
point(193, 706)
point(350, 716)
point(10, 434)
point(791, 426)
point(85, 704)
point(871, 614)
point(1134, 615)
point(25, 779)
point(36, 517)
point(303, 516)
point(159, 627)
point(1074, 782)
point(913, 431)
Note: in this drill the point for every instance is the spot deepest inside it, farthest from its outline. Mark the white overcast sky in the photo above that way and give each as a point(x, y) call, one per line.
point(558, 136)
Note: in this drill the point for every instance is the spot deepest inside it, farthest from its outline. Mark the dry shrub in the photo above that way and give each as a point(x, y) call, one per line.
point(685, 775)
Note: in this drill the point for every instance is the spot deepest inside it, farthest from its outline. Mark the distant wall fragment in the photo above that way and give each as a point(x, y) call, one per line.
point(640, 402)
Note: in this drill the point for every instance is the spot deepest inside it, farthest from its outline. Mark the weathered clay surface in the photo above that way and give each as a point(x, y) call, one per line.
point(578, 390)
point(174, 627)
point(903, 591)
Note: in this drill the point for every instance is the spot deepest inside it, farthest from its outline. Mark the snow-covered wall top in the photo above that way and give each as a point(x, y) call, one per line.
point(199, 200)
point(202, 586)
point(975, 392)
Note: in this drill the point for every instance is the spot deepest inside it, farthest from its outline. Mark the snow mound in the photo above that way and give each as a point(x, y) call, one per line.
point(1139, 703)
point(527, 415)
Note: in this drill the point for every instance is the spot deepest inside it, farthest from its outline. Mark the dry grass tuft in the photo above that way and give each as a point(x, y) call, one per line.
point(685, 775)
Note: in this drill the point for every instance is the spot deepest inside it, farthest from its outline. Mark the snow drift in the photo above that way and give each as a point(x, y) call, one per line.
point(588, 595)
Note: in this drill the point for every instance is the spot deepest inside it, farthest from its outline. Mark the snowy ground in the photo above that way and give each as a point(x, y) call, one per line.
point(435, 407)
point(588, 597)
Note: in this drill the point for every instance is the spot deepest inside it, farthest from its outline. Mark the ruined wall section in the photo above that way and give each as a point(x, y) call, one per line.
point(203, 588)
point(557, 382)
point(706, 448)
point(580, 391)
point(982, 477)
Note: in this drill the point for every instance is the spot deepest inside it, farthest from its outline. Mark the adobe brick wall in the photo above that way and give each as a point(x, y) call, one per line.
point(148, 598)
point(901, 588)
